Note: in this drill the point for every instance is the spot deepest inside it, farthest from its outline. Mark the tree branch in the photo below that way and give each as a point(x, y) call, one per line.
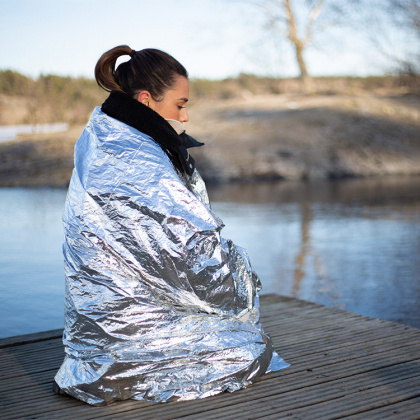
point(291, 23)
point(312, 18)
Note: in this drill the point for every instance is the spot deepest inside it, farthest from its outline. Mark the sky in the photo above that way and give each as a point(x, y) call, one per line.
point(213, 39)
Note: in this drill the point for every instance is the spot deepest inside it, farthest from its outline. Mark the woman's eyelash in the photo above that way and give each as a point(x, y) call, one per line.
point(180, 107)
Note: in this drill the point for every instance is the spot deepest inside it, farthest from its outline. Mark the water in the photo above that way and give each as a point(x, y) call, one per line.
point(31, 263)
point(10, 132)
point(350, 244)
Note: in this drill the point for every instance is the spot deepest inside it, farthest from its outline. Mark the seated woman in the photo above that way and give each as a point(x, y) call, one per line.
point(158, 305)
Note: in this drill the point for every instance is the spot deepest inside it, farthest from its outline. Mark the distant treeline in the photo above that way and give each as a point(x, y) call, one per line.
point(51, 98)
point(48, 98)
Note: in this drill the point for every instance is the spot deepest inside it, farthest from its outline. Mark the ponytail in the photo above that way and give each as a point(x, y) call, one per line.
point(149, 69)
point(104, 69)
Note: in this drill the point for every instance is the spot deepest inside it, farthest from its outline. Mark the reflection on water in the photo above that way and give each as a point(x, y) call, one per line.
point(350, 244)
point(299, 271)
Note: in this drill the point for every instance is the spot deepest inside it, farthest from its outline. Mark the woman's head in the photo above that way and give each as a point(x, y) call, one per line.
point(148, 76)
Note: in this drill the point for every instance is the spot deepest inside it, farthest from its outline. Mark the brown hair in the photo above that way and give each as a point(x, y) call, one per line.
point(149, 69)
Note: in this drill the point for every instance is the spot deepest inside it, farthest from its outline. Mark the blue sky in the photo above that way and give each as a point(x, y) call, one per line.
point(212, 38)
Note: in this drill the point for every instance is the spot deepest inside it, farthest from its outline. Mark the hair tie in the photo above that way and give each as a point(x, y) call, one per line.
point(132, 53)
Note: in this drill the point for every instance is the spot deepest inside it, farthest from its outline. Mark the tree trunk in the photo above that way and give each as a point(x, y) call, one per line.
point(299, 46)
point(304, 76)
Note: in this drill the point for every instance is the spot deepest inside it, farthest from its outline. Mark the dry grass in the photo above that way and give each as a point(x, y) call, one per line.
point(289, 136)
point(317, 136)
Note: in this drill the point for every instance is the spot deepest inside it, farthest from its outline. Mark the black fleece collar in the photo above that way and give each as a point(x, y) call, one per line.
point(122, 107)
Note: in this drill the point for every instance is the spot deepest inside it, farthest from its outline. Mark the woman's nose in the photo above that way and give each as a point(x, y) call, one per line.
point(184, 116)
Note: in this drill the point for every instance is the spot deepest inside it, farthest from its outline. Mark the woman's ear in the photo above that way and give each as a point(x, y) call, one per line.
point(144, 97)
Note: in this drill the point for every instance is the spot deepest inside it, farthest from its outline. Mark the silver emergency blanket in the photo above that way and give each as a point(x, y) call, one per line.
point(158, 305)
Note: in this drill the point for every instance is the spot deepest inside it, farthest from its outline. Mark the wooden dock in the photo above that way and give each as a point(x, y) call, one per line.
point(343, 365)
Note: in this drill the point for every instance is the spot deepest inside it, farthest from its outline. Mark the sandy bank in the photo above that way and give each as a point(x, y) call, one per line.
point(282, 136)
point(298, 137)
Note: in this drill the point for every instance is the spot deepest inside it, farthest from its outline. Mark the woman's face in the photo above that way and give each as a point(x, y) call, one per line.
point(174, 102)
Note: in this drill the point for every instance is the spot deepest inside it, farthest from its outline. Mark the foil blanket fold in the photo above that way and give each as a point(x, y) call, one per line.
point(158, 306)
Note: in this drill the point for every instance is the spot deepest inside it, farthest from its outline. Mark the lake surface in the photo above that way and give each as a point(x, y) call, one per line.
point(351, 244)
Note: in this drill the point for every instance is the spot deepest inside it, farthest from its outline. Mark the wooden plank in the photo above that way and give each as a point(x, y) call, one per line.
point(21, 382)
point(320, 359)
point(407, 410)
point(28, 381)
point(17, 367)
point(330, 401)
point(30, 338)
point(292, 337)
point(352, 338)
point(316, 376)
point(321, 349)
point(358, 402)
point(297, 326)
point(227, 402)
point(336, 356)
point(33, 348)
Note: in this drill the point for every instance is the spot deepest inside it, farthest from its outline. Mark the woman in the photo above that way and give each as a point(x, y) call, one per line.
point(158, 305)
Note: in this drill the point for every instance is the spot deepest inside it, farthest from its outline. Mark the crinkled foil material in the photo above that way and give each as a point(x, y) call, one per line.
point(158, 306)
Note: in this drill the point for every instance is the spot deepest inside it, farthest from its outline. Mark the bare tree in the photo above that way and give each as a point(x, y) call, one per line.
point(281, 16)
point(381, 23)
